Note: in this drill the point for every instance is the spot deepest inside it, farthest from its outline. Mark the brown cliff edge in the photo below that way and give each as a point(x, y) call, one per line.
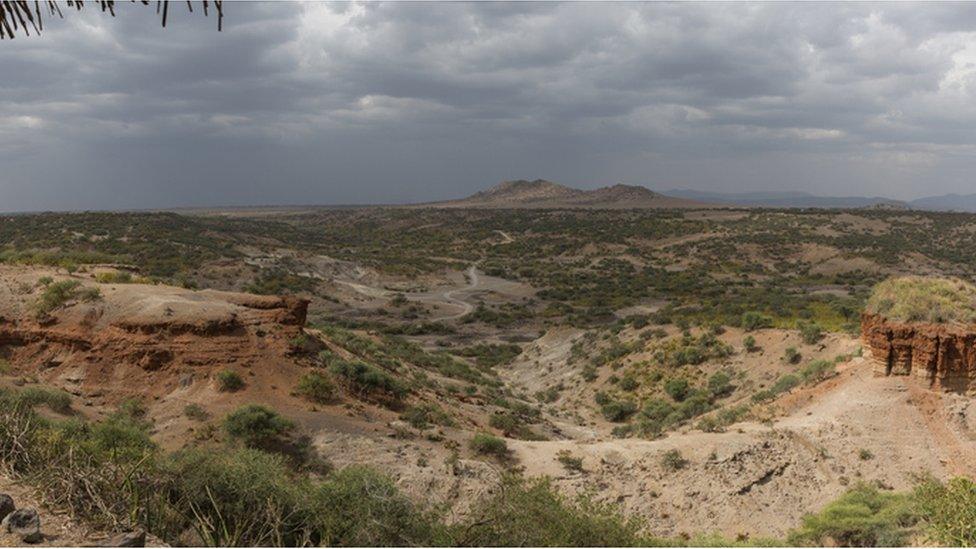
point(941, 355)
point(149, 341)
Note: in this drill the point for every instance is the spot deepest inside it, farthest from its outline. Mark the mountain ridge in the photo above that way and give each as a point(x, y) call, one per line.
point(541, 193)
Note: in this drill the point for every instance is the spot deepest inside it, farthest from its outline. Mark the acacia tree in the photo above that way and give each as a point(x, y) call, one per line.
point(21, 16)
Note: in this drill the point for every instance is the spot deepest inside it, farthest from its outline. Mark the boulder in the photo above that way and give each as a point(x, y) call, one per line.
point(6, 506)
point(25, 523)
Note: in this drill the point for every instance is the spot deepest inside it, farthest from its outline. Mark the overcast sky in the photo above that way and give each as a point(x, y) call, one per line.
point(364, 103)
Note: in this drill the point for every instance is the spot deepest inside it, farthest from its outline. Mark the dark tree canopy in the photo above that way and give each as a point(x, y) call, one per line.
point(21, 16)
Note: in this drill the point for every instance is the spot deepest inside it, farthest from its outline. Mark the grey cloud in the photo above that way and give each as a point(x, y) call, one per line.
point(353, 103)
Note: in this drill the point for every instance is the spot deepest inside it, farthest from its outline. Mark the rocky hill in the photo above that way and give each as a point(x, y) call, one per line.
point(546, 194)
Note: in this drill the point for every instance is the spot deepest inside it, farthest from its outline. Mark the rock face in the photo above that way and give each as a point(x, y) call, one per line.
point(145, 337)
point(943, 356)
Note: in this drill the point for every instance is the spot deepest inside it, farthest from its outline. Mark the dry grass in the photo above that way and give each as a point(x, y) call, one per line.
point(924, 299)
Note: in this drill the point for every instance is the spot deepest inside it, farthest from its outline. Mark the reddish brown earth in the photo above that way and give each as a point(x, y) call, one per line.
point(160, 344)
point(941, 355)
point(186, 334)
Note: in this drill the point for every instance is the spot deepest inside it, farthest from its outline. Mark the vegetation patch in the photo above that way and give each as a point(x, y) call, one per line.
point(229, 381)
point(316, 387)
point(924, 299)
point(949, 510)
point(863, 517)
point(693, 350)
point(257, 426)
point(424, 415)
point(366, 378)
point(489, 445)
point(57, 294)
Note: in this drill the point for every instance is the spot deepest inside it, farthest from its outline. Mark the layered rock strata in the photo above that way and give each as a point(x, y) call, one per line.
point(941, 355)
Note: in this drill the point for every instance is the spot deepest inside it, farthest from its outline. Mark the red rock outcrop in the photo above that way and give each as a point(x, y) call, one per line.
point(149, 339)
point(943, 356)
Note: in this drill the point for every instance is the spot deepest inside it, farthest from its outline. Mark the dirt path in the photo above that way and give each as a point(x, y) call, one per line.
point(439, 297)
point(507, 238)
point(473, 282)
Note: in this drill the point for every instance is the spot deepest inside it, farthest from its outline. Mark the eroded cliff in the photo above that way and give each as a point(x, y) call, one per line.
point(143, 339)
point(941, 355)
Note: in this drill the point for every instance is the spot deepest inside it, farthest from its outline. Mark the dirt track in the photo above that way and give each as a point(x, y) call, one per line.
point(437, 298)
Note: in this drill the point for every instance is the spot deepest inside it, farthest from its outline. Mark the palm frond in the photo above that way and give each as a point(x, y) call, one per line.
point(23, 16)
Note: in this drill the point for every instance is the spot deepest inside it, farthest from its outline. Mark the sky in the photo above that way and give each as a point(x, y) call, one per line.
point(354, 103)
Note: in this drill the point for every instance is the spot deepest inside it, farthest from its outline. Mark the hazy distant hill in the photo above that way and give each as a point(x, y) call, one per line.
point(787, 199)
point(946, 202)
point(546, 194)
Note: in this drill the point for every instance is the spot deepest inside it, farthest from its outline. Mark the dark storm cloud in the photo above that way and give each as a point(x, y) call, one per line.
point(352, 103)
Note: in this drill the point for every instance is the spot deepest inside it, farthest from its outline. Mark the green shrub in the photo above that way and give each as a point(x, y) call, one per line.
point(358, 507)
point(229, 381)
point(949, 510)
point(677, 388)
point(531, 513)
point(618, 410)
point(862, 517)
point(316, 387)
point(627, 383)
point(55, 399)
point(366, 378)
point(782, 385)
point(589, 372)
point(489, 445)
point(753, 320)
point(133, 407)
point(672, 460)
point(423, 415)
point(257, 426)
point(512, 425)
point(89, 294)
point(55, 295)
point(817, 370)
point(810, 332)
point(749, 343)
point(114, 277)
point(687, 349)
point(570, 462)
point(717, 422)
point(720, 384)
point(111, 474)
point(121, 437)
point(239, 497)
point(195, 412)
point(792, 356)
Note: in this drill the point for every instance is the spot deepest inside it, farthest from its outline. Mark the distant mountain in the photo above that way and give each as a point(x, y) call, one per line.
point(946, 202)
point(787, 199)
point(546, 194)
